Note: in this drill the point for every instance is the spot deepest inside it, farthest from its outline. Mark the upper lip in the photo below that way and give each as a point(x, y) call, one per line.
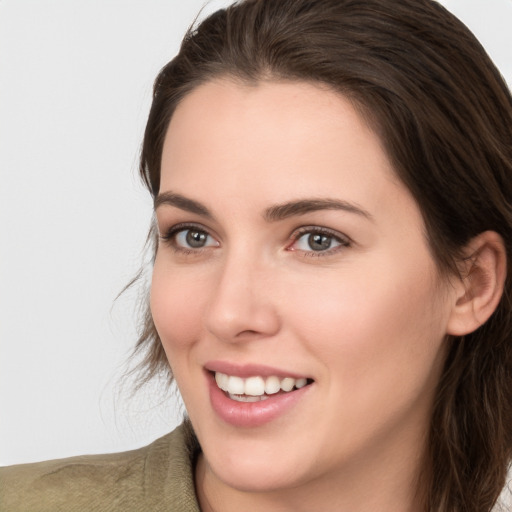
point(250, 370)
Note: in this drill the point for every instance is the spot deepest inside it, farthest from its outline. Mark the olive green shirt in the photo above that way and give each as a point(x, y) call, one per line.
point(155, 478)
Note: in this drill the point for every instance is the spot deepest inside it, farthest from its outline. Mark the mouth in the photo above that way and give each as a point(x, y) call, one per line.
point(254, 395)
point(257, 388)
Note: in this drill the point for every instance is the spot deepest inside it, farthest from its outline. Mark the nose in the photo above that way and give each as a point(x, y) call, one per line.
point(243, 306)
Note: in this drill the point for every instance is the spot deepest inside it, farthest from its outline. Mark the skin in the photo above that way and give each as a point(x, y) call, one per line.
point(365, 319)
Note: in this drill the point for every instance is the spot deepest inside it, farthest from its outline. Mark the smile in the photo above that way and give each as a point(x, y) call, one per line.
point(251, 396)
point(254, 389)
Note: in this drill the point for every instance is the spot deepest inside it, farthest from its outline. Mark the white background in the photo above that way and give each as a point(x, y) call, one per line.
point(75, 86)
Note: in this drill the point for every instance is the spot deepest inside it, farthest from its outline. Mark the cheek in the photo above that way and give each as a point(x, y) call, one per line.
point(373, 325)
point(176, 305)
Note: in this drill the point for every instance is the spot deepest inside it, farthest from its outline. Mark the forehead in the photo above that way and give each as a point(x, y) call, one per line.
point(271, 113)
point(235, 122)
point(264, 142)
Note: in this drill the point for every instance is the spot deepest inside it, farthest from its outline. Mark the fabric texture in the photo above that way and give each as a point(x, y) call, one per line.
point(158, 477)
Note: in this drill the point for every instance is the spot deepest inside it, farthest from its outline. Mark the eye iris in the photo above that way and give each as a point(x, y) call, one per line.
point(196, 239)
point(319, 242)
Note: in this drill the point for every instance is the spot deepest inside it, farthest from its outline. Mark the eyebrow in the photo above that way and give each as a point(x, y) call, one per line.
point(273, 213)
point(183, 203)
point(303, 206)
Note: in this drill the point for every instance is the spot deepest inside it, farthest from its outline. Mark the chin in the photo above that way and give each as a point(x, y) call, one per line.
point(254, 465)
point(260, 477)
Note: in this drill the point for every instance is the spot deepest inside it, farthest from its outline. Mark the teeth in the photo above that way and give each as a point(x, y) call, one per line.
point(254, 389)
point(236, 385)
point(272, 385)
point(254, 386)
point(246, 398)
point(300, 383)
point(222, 381)
point(287, 384)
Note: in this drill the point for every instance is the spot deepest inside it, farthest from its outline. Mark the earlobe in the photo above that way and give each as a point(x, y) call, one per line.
point(481, 285)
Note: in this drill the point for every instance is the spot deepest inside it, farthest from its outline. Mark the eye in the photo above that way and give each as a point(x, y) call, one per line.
point(193, 239)
point(317, 241)
point(188, 238)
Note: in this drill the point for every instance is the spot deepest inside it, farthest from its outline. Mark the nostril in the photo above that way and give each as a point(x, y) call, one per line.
point(246, 333)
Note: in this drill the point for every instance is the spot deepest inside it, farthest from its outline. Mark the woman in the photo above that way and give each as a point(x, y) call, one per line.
point(333, 199)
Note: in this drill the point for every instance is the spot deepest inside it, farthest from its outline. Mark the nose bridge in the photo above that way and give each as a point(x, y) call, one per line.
point(242, 304)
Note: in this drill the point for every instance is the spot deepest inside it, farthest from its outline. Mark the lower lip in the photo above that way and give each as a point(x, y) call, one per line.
point(252, 414)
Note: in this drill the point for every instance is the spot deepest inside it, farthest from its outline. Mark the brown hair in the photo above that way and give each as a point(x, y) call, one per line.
point(444, 114)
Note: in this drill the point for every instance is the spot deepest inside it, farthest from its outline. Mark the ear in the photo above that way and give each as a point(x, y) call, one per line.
point(480, 287)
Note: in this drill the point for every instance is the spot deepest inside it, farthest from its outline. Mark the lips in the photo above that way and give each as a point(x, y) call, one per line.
point(251, 396)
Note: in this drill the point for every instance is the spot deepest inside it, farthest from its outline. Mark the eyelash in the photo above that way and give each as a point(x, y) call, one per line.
point(169, 238)
point(343, 241)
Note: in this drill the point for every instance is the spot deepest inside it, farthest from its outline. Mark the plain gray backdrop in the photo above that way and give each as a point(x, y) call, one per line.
point(75, 87)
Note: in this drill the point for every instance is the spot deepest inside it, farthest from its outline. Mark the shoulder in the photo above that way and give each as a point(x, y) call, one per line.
point(156, 477)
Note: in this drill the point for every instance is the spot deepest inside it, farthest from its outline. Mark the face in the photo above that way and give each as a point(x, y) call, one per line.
point(293, 268)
